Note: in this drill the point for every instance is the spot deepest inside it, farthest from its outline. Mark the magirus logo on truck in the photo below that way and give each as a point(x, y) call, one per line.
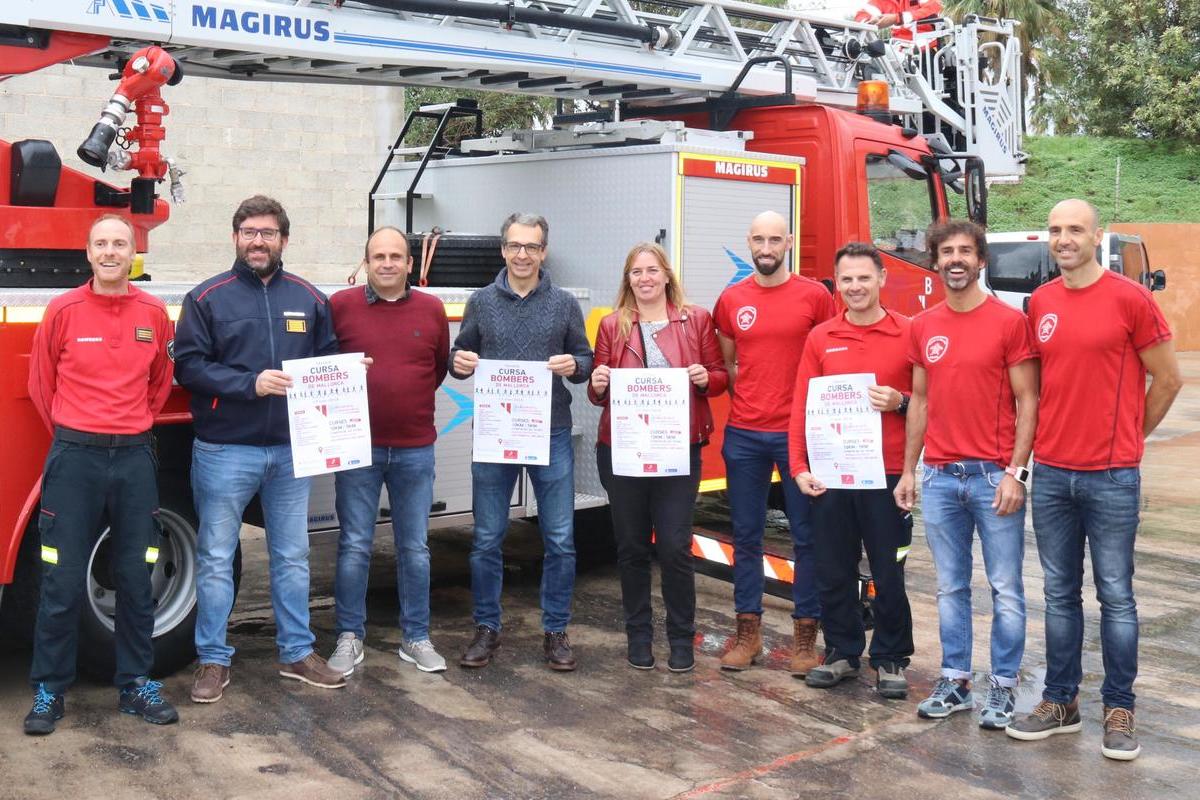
point(284, 26)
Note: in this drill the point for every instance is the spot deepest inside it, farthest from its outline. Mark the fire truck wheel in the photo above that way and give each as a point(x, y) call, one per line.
point(174, 589)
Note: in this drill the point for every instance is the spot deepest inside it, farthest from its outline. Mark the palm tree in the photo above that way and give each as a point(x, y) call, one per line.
point(1040, 20)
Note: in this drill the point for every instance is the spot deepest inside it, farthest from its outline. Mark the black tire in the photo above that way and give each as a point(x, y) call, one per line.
point(174, 582)
point(18, 609)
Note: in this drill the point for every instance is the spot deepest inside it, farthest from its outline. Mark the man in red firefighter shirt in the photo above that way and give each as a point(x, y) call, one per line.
point(866, 337)
point(898, 14)
point(99, 373)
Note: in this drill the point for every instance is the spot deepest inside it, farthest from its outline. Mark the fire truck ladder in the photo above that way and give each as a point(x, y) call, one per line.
point(441, 115)
point(624, 51)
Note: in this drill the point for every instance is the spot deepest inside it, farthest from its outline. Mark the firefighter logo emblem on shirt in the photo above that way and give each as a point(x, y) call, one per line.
point(936, 347)
point(1047, 326)
point(746, 316)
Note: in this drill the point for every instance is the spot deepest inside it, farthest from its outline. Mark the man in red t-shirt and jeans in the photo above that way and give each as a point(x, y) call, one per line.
point(762, 323)
point(1098, 333)
point(974, 408)
point(406, 334)
point(865, 338)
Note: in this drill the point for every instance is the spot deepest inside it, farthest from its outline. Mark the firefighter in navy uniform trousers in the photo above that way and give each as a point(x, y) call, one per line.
point(99, 374)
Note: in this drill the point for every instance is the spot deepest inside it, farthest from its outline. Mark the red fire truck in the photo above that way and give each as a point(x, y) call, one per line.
point(723, 108)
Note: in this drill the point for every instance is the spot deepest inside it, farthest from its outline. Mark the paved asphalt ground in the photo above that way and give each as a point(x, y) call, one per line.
point(517, 730)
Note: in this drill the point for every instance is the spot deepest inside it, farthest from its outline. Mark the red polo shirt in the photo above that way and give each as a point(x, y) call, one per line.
point(99, 361)
point(839, 347)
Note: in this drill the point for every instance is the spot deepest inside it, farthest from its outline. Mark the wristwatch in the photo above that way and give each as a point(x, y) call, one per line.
point(1020, 473)
point(903, 407)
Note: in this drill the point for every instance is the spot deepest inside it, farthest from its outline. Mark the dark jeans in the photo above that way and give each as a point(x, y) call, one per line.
point(844, 523)
point(749, 457)
point(80, 483)
point(661, 507)
point(1101, 507)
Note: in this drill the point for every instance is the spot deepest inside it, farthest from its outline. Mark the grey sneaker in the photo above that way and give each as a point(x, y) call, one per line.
point(347, 654)
point(830, 674)
point(1120, 734)
point(948, 696)
point(890, 682)
point(423, 655)
point(1046, 719)
point(997, 707)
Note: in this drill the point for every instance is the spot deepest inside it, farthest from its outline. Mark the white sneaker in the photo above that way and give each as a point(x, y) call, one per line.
point(423, 655)
point(347, 654)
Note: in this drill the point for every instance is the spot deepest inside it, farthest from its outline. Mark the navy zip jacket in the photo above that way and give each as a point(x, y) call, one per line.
point(232, 327)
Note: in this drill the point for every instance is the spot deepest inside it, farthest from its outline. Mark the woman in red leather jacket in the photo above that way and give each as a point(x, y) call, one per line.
point(653, 326)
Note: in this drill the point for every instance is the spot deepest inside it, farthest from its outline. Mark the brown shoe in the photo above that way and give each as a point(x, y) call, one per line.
point(804, 649)
point(557, 648)
point(481, 649)
point(313, 670)
point(748, 645)
point(209, 683)
point(1120, 734)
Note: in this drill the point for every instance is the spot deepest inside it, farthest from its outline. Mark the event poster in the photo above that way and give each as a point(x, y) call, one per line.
point(327, 414)
point(844, 432)
point(512, 412)
point(651, 422)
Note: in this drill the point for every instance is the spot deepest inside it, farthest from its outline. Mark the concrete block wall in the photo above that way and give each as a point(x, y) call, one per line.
point(315, 148)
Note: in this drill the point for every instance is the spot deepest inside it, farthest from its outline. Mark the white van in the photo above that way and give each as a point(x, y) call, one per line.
point(1019, 262)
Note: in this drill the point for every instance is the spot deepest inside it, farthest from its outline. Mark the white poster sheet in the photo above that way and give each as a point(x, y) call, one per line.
point(650, 413)
point(327, 414)
point(512, 412)
point(844, 432)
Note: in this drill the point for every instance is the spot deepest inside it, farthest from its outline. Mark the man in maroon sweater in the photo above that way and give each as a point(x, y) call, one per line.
point(407, 335)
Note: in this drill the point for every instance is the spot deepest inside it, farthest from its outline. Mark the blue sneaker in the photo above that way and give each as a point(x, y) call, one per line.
point(143, 699)
point(947, 697)
point(48, 708)
point(998, 707)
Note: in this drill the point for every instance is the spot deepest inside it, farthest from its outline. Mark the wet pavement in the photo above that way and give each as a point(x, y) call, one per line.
point(518, 730)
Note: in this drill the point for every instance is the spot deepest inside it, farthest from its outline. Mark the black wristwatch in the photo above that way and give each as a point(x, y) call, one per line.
point(903, 407)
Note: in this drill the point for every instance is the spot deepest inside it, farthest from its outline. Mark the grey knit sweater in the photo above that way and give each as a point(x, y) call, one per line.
point(498, 323)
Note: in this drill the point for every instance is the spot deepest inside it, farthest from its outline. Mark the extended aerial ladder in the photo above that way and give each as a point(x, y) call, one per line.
point(958, 84)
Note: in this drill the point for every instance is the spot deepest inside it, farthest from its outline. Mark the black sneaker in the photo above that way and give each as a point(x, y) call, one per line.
point(682, 658)
point(144, 700)
point(640, 655)
point(48, 708)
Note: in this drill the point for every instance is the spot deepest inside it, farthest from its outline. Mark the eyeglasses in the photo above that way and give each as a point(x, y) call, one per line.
point(249, 234)
point(513, 248)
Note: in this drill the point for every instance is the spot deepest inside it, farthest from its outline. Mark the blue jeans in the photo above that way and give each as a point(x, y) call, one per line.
point(554, 487)
point(958, 501)
point(1100, 506)
point(408, 473)
point(749, 457)
point(225, 477)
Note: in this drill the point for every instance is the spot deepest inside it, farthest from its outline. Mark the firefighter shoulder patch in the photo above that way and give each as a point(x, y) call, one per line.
point(143, 334)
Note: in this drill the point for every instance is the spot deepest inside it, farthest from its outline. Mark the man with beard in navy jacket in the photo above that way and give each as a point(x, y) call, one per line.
point(235, 330)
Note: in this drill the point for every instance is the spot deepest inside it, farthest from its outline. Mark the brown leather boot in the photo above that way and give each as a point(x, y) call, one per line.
point(748, 645)
point(804, 650)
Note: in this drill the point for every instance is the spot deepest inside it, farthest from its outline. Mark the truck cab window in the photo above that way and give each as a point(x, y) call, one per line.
point(901, 208)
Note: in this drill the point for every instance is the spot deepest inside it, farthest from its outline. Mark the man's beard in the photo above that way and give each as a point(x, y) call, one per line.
point(768, 271)
point(274, 261)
